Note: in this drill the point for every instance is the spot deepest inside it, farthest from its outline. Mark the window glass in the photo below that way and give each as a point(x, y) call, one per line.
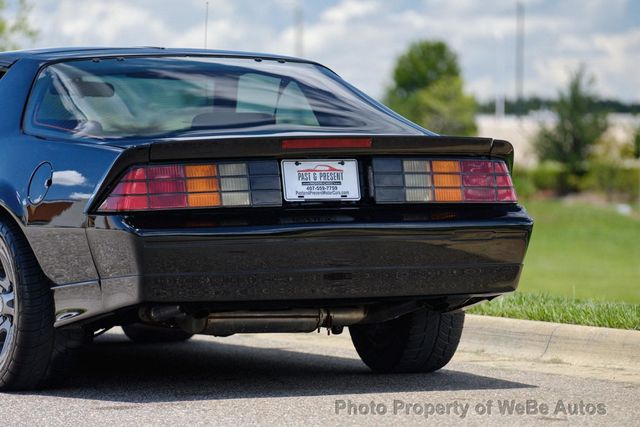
point(293, 107)
point(258, 93)
point(142, 97)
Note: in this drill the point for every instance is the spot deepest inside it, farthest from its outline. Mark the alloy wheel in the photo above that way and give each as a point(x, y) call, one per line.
point(8, 306)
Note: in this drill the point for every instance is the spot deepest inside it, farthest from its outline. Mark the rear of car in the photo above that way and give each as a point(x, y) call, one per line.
point(259, 194)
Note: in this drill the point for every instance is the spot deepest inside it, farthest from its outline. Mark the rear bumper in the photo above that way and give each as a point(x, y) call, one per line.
point(323, 263)
point(328, 264)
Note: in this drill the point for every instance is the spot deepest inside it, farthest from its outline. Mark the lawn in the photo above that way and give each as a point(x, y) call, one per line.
point(582, 251)
point(582, 267)
point(547, 308)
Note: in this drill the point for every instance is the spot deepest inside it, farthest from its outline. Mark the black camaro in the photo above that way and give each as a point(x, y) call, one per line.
point(179, 192)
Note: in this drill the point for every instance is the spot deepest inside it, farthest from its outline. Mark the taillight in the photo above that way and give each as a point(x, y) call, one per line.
point(183, 186)
point(444, 181)
point(292, 144)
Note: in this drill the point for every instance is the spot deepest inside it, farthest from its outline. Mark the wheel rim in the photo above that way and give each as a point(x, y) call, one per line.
point(8, 303)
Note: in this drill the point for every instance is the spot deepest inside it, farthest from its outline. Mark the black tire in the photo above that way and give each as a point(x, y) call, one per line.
point(422, 341)
point(28, 336)
point(147, 334)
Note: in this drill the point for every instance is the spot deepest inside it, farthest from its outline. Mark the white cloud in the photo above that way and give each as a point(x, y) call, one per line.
point(68, 178)
point(360, 39)
point(350, 10)
point(80, 196)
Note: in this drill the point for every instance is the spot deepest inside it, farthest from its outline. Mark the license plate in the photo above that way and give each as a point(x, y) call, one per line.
point(320, 180)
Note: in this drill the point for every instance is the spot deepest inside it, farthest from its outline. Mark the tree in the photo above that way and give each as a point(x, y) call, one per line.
point(580, 124)
point(428, 89)
point(636, 143)
point(11, 30)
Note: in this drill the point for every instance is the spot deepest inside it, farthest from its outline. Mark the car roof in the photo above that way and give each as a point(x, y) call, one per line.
point(62, 53)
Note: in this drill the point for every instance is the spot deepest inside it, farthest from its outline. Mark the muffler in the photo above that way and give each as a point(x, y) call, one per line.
point(252, 322)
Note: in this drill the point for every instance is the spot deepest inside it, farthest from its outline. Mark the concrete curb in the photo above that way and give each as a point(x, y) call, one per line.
point(552, 342)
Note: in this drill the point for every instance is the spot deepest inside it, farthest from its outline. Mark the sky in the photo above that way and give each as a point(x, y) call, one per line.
point(361, 39)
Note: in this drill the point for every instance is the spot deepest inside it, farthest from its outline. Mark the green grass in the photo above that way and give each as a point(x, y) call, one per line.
point(582, 251)
point(544, 307)
point(582, 267)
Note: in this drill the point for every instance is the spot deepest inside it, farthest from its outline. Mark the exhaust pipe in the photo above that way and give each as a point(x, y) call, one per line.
point(252, 322)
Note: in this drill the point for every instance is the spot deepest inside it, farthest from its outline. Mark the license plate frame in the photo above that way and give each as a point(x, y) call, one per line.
point(306, 180)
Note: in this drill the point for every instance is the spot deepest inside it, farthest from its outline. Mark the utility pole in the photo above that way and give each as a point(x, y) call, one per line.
point(298, 19)
point(499, 75)
point(206, 24)
point(519, 58)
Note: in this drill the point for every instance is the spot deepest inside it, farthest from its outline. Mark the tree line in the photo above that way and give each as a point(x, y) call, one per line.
point(536, 103)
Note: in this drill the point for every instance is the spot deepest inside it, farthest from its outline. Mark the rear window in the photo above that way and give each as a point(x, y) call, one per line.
point(167, 96)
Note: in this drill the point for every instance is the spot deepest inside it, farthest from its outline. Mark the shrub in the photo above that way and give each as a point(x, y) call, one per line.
point(621, 182)
point(523, 183)
point(551, 176)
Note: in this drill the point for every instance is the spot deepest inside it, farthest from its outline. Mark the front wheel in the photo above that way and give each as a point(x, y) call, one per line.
point(422, 341)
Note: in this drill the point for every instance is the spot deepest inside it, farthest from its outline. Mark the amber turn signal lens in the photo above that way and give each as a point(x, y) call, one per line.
point(196, 171)
point(446, 166)
point(204, 200)
point(448, 194)
point(203, 185)
point(441, 180)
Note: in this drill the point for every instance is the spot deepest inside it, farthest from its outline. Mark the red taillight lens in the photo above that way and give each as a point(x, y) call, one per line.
point(476, 166)
point(447, 181)
point(135, 174)
point(131, 187)
point(125, 203)
point(166, 186)
point(225, 184)
point(507, 195)
point(479, 180)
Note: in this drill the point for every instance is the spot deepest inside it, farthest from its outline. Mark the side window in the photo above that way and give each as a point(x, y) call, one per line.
point(2, 72)
point(53, 109)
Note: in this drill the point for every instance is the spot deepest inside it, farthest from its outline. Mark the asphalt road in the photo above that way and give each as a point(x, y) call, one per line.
point(313, 379)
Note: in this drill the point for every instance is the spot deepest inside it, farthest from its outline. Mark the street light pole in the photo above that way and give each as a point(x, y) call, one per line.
point(206, 24)
point(519, 57)
point(298, 18)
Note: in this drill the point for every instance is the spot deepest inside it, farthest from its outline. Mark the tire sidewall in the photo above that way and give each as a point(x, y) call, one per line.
point(421, 341)
point(7, 250)
point(29, 356)
point(366, 339)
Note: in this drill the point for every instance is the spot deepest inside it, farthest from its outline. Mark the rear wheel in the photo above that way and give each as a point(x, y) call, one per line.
point(141, 333)
point(422, 341)
point(27, 335)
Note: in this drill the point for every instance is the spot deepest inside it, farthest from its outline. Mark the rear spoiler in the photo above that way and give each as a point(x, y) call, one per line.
point(185, 149)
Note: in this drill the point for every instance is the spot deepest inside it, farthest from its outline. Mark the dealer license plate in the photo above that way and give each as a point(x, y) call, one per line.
point(320, 180)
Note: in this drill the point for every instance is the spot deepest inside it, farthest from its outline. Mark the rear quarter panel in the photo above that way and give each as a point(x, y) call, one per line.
point(54, 225)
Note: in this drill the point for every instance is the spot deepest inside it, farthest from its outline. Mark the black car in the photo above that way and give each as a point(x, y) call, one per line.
point(177, 192)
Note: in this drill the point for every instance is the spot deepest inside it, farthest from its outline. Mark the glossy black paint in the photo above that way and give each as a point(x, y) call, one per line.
point(296, 255)
point(335, 255)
